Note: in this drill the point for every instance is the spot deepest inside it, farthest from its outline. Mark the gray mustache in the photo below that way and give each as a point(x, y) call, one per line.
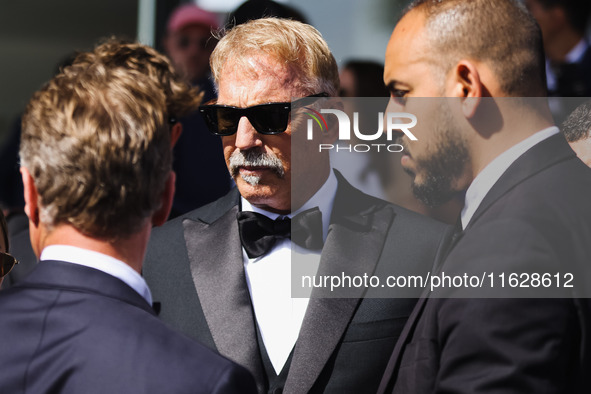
point(253, 158)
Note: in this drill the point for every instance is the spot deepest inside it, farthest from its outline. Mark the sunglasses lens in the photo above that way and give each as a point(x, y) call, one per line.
point(227, 120)
point(270, 118)
point(6, 263)
point(266, 118)
point(220, 120)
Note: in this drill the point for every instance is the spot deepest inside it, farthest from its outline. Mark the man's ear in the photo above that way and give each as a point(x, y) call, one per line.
point(175, 133)
point(31, 197)
point(159, 217)
point(467, 85)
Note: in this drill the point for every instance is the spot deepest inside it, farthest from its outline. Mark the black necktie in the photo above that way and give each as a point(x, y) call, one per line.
point(258, 233)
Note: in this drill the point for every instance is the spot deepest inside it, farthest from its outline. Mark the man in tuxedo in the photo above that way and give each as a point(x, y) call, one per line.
point(526, 206)
point(218, 280)
point(96, 167)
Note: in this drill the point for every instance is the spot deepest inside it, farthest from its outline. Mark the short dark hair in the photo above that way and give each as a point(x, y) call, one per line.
point(577, 11)
point(578, 124)
point(500, 32)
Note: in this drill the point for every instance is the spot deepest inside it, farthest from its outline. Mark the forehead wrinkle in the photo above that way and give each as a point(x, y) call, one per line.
point(256, 80)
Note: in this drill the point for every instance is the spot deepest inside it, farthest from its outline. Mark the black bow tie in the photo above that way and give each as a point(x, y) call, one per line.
point(258, 233)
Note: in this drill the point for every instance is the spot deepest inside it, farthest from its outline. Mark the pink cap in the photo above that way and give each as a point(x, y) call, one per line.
point(190, 14)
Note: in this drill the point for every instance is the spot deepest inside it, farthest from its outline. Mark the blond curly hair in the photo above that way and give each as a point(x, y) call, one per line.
point(96, 142)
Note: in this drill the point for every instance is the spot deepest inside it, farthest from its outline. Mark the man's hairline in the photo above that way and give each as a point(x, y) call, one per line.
point(295, 74)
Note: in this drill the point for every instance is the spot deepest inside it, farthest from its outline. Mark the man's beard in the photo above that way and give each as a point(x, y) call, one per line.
point(254, 158)
point(443, 166)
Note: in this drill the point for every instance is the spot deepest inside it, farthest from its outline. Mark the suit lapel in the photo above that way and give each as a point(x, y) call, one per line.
point(390, 373)
point(215, 256)
point(389, 377)
point(355, 240)
point(541, 156)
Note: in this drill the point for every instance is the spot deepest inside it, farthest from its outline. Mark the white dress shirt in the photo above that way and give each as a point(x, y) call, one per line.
point(486, 179)
point(278, 315)
point(101, 262)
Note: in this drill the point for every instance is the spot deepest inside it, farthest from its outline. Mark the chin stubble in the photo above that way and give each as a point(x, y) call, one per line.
point(443, 166)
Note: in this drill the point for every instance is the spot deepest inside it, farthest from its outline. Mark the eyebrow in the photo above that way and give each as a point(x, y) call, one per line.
point(392, 85)
point(215, 101)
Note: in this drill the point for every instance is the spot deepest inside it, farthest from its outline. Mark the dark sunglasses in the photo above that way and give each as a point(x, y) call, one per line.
point(269, 119)
point(7, 262)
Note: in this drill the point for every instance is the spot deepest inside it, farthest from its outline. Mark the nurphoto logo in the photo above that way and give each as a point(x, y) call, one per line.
point(401, 121)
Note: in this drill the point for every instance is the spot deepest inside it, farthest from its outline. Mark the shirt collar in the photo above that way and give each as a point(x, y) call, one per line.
point(323, 199)
point(101, 262)
point(486, 179)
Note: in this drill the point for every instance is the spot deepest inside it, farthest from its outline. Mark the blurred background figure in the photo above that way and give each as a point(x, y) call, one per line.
point(189, 41)
point(568, 58)
point(362, 78)
point(577, 130)
point(255, 9)
point(11, 189)
point(6, 260)
point(201, 172)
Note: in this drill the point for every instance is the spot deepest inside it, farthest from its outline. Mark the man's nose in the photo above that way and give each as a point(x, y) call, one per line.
point(246, 135)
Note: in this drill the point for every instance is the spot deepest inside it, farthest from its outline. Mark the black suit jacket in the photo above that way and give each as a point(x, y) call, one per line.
point(535, 219)
point(194, 267)
point(72, 329)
